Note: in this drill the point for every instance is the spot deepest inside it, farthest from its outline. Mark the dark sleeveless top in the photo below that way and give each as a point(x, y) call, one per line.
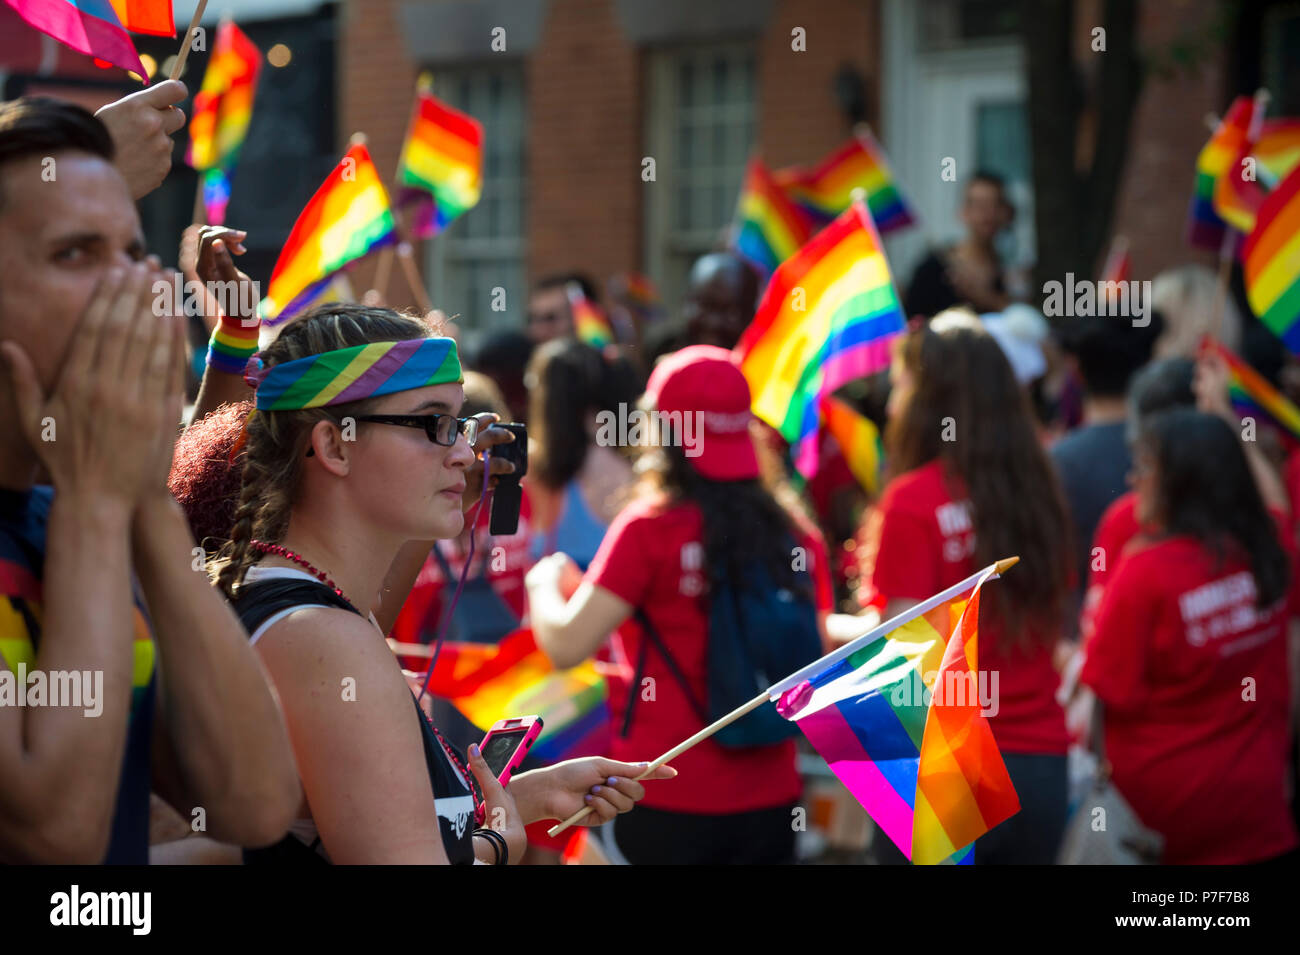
point(256, 603)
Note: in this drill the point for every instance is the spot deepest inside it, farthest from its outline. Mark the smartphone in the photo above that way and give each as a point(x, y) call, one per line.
point(507, 743)
point(508, 495)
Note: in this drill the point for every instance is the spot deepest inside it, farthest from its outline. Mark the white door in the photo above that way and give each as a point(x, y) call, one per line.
point(949, 96)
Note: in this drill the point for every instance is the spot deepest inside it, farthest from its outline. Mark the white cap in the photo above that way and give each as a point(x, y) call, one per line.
point(1020, 331)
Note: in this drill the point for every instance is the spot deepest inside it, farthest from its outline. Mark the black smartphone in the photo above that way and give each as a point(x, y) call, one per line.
point(508, 495)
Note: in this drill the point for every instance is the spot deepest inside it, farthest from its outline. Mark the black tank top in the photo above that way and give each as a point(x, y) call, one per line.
point(260, 600)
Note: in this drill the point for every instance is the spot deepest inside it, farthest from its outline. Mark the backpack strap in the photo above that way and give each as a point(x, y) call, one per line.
point(651, 635)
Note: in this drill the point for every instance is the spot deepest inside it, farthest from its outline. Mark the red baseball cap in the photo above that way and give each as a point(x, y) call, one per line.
point(704, 382)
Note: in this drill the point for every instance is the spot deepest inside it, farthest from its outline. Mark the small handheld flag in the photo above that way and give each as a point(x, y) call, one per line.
point(826, 190)
point(769, 228)
point(153, 17)
point(1272, 262)
point(589, 323)
point(223, 109)
point(88, 26)
point(829, 315)
point(440, 172)
point(1204, 227)
point(347, 217)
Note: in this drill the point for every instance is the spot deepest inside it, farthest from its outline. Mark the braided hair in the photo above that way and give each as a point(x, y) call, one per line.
point(276, 441)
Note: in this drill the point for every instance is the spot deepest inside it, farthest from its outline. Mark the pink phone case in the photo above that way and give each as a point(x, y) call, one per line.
point(533, 729)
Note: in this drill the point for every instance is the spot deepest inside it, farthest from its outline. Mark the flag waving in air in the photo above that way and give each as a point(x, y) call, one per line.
point(153, 17)
point(769, 228)
point(900, 721)
point(88, 26)
point(826, 190)
point(223, 108)
point(829, 315)
point(347, 217)
point(1205, 229)
point(441, 168)
point(1272, 262)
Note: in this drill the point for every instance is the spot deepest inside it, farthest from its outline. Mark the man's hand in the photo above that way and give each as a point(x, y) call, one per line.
point(141, 126)
point(111, 417)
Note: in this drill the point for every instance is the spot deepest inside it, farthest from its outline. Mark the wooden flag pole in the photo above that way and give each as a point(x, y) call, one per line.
point(992, 572)
point(184, 54)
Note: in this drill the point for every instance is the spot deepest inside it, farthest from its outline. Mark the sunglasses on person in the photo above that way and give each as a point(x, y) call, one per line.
point(441, 429)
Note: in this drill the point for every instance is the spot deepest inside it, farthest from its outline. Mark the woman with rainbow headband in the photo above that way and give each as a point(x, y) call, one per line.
point(353, 463)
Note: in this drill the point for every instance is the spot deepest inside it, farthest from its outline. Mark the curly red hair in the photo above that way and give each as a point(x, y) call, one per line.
point(207, 472)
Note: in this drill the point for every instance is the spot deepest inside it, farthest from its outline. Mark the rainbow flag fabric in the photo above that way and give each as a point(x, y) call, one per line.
point(768, 228)
point(1205, 229)
point(153, 17)
point(489, 682)
point(858, 439)
point(1238, 196)
point(348, 217)
point(223, 109)
point(1272, 262)
point(88, 26)
point(1252, 396)
point(900, 722)
point(826, 190)
point(589, 323)
point(829, 315)
point(441, 165)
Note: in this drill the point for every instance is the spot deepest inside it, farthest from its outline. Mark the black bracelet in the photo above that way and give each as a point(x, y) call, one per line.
point(498, 844)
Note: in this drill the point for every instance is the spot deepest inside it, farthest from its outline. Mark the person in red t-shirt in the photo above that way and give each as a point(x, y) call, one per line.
point(1189, 652)
point(972, 484)
point(706, 507)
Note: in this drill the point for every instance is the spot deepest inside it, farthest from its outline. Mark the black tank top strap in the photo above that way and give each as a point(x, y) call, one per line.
point(260, 600)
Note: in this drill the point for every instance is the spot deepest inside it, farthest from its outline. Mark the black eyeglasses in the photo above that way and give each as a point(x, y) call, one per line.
point(441, 428)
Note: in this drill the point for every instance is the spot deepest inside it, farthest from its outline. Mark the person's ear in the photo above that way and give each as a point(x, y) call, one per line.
point(330, 449)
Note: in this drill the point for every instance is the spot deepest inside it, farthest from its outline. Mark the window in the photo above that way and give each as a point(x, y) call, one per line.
point(700, 132)
point(484, 249)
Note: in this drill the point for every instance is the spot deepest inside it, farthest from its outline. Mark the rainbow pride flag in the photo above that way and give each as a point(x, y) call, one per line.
point(768, 228)
point(1278, 148)
point(589, 323)
point(829, 315)
point(441, 165)
point(1204, 227)
point(153, 17)
point(88, 26)
point(1272, 262)
point(826, 190)
point(858, 439)
point(1239, 195)
point(1253, 397)
point(900, 722)
point(348, 217)
point(489, 682)
point(223, 108)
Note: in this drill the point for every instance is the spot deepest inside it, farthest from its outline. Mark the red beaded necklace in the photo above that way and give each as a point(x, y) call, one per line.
point(264, 548)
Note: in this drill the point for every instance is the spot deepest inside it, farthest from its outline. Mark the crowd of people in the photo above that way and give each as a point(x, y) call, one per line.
point(239, 550)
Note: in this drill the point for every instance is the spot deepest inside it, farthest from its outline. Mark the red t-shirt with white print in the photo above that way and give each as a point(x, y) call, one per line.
point(922, 540)
point(1117, 527)
point(1194, 678)
point(653, 557)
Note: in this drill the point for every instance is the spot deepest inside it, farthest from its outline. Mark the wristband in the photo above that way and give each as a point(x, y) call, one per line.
point(232, 344)
point(498, 843)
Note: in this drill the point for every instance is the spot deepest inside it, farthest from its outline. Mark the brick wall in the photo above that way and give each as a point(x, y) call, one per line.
point(799, 115)
point(586, 92)
point(584, 144)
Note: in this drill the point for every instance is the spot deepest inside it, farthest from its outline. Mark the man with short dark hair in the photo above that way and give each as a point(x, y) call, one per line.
point(970, 272)
point(549, 313)
point(99, 577)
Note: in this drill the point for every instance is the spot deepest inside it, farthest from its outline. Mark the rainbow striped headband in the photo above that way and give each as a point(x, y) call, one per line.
point(351, 374)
